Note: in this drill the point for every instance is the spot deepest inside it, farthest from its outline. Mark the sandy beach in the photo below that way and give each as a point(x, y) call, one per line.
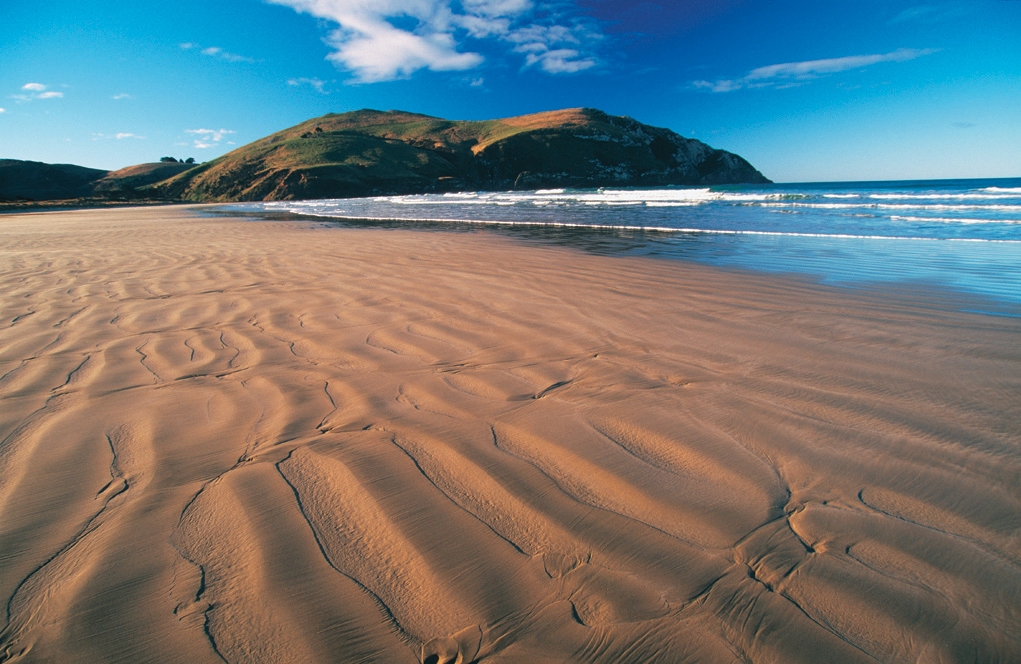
point(266, 441)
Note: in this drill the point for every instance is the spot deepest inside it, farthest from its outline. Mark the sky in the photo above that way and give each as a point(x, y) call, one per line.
point(805, 90)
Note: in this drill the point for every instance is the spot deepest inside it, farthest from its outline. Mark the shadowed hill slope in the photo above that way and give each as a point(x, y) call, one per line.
point(374, 152)
point(36, 181)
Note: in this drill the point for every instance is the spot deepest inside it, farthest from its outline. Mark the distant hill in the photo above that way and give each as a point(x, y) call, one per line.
point(36, 181)
point(126, 180)
point(32, 181)
point(368, 152)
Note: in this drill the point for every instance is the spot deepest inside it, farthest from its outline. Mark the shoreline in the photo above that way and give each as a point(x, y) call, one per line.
point(281, 441)
point(600, 241)
point(75, 205)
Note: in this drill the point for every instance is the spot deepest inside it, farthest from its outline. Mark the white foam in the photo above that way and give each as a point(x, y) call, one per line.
point(945, 197)
point(955, 220)
point(1010, 190)
point(297, 209)
point(895, 206)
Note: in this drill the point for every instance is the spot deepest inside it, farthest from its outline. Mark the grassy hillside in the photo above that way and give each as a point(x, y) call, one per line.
point(126, 180)
point(366, 153)
point(374, 152)
point(36, 181)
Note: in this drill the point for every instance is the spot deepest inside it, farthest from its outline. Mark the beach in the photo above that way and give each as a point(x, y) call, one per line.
point(236, 440)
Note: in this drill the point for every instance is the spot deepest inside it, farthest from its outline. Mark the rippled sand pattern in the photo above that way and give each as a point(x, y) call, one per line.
point(246, 441)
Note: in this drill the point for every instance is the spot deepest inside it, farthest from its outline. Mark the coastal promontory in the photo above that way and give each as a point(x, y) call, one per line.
point(366, 153)
point(372, 153)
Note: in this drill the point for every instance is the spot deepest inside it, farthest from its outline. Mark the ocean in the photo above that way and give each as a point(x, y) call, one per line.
point(960, 237)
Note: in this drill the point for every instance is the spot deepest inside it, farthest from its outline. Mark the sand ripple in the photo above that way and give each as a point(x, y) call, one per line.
point(245, 441)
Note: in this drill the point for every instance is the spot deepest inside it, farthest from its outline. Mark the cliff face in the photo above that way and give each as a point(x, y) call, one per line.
point(368, 153)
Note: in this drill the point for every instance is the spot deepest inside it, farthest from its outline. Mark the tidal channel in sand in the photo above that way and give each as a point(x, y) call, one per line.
point(261, 441)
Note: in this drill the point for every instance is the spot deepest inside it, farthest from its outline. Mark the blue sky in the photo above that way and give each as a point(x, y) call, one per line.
point(807, 91)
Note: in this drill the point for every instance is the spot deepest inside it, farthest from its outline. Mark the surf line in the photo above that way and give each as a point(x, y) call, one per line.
point(652, 229)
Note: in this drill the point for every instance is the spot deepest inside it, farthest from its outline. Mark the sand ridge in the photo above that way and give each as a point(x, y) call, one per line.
point(254, 441)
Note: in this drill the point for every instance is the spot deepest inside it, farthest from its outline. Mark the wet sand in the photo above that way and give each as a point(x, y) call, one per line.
point(261, 441)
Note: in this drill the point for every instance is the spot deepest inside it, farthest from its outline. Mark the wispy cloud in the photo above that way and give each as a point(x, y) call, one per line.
point(791, 73)
point(554, 48)
point(3, 110)
point(37, 91)
point(119, 136)
point(933, 13)
point(913, 14)
point(216, 52)
point(122, 95)
point(315, 83)
point(964, 125)
point(383, 40)
point(208, 138)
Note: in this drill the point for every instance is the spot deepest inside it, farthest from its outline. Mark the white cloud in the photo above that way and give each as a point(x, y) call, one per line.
point(789, 74)
point(3, 110)
point(216, 52)
point(234, 57)
point(212, 134)
point(122, 95)
point(118, 136)
point(315, 83)
point(914, 13)
point(208, 138)
point(554, 48)
point(833, 65)
point(941, 12)
point(384, 40)
point(37, 91)
point(560, 60)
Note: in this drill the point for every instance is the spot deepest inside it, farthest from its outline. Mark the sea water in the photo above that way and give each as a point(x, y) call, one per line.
point(961, 236)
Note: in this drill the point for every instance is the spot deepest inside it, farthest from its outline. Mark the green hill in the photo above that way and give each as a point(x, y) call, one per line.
point(36, 181)
point(126, 180)
point(367, 152)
